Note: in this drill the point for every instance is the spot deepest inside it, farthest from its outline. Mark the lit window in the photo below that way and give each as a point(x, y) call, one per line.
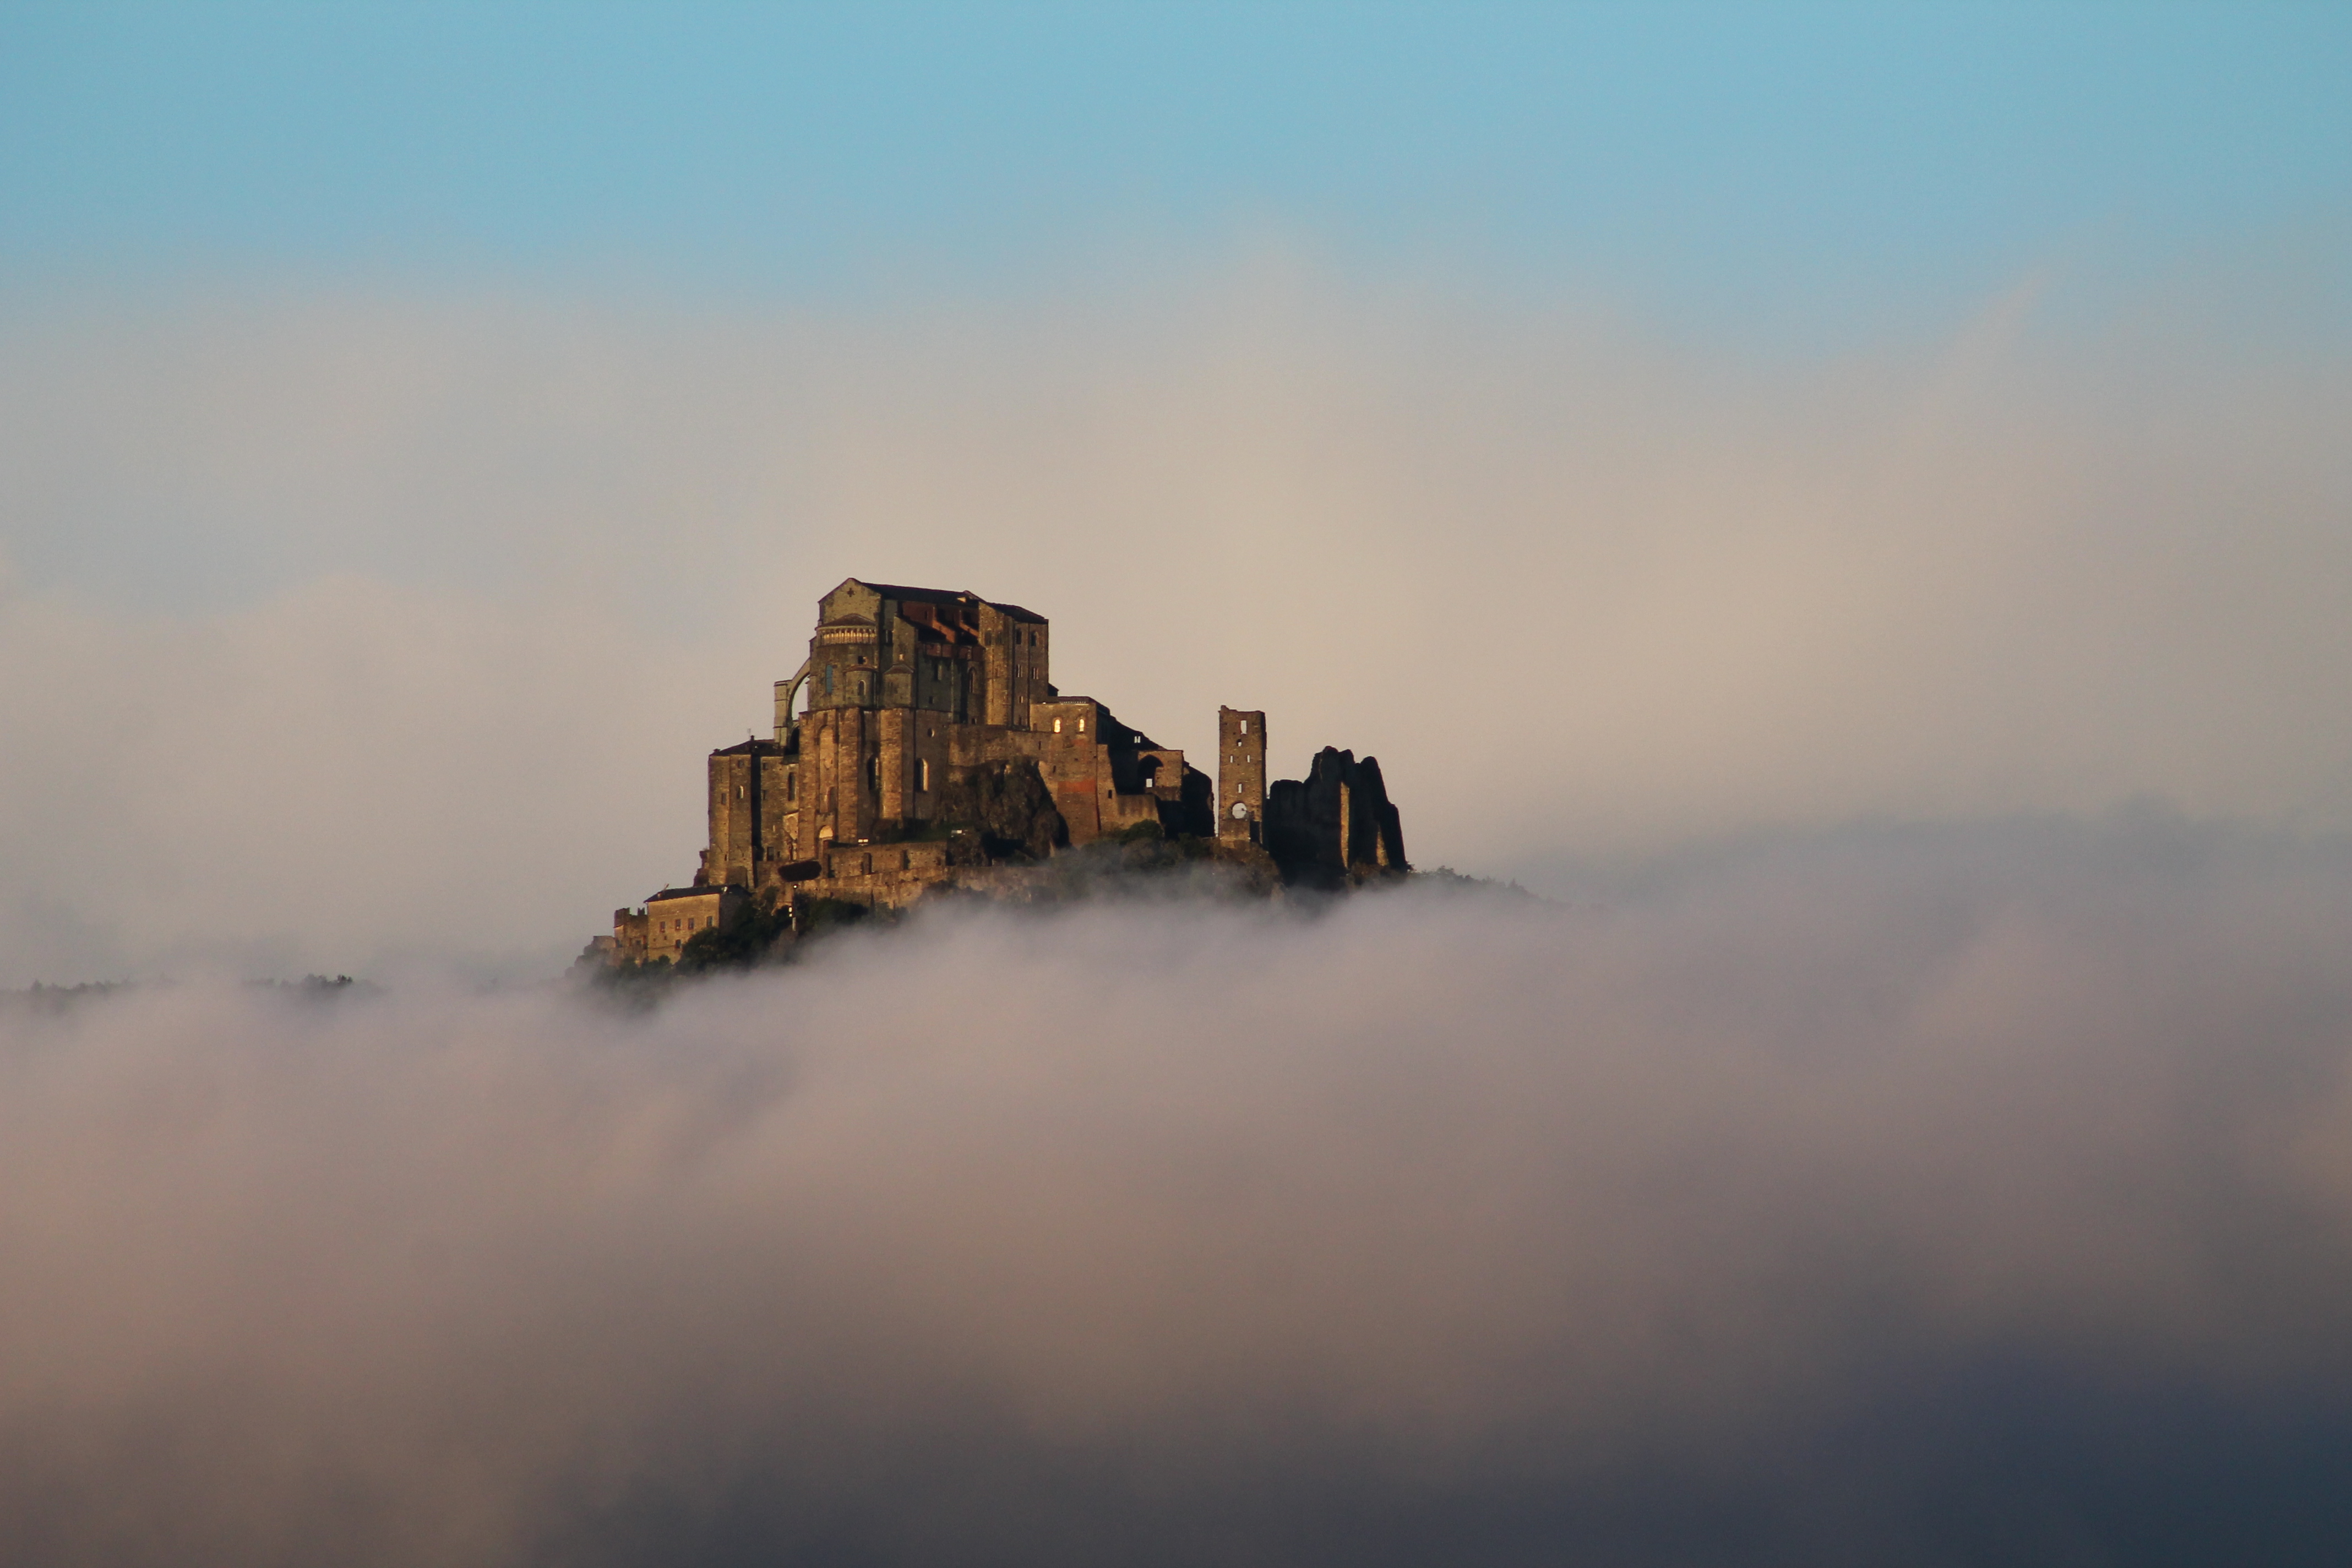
point(1057, 726)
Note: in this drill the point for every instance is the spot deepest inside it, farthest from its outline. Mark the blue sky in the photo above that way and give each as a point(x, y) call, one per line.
point(1782, 168)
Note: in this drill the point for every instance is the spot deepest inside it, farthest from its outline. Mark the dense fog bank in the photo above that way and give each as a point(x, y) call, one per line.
point(1979, 1192)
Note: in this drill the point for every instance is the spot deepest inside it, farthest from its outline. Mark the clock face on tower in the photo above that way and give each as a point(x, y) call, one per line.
point(1239, 811)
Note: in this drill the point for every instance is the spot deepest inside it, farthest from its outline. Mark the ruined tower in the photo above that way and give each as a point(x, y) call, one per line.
point(1241, 776)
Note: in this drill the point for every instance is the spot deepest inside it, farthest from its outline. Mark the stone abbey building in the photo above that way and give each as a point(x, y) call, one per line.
point(923, 744)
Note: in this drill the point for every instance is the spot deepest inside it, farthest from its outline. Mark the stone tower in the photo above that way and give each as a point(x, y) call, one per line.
point(1241, 776)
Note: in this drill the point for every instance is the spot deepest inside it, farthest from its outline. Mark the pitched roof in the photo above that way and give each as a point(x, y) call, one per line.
point(905, 595)
point(920, 596)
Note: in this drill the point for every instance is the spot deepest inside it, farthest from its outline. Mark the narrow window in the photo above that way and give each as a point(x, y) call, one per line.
point(791, 785)
point(1057, 726)
point(739, 792)
point(1245, 726)
point(1082, 726)
point(923, 774)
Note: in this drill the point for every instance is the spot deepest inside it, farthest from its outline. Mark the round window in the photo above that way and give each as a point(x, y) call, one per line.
point(1240, 810)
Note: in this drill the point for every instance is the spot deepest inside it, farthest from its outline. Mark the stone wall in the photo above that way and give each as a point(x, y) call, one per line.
point(628, 938)
point(660, 929)
point(746, 785)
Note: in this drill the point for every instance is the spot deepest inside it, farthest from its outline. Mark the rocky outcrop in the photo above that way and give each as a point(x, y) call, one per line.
point(1337, 825)
point(1009, 806)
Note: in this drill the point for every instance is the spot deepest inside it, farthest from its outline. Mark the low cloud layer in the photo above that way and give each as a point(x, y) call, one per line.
point(1940, 1196)
point(347, 631)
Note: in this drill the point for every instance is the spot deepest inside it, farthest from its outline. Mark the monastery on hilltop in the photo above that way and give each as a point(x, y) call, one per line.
point(934, 751)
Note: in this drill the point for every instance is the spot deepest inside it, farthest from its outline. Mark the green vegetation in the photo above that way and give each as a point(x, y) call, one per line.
point(742, 939)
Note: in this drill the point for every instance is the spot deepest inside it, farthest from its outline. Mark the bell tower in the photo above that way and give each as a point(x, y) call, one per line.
point(1241, 776)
